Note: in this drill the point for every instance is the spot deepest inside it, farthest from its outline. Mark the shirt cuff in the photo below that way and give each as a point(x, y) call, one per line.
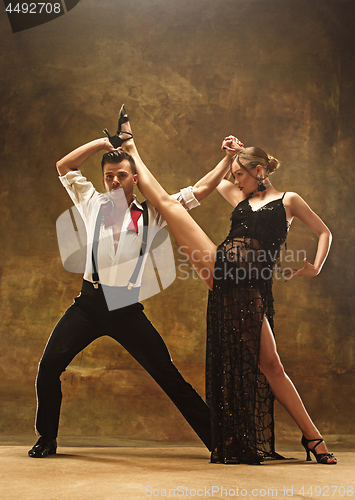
point(187, 198)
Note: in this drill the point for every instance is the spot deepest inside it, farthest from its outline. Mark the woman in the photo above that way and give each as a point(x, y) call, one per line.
point(244, 371)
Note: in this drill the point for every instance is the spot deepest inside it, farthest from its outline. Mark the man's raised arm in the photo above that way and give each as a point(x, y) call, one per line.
point(73, 160)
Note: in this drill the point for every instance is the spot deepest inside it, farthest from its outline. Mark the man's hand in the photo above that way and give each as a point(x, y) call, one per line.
point(107, 145)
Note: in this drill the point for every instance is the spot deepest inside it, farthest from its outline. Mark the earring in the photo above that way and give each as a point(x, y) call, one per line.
point(261, 186)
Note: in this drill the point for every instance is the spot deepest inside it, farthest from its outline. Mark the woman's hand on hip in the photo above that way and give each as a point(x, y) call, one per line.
point(307, 270)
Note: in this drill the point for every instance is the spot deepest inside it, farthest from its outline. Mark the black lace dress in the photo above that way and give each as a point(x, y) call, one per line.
point(237, 392)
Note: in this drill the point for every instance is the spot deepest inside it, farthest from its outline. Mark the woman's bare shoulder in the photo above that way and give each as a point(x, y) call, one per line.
point(290, 198)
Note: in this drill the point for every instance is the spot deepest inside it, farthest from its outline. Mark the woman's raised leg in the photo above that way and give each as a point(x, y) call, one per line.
point(192, 240)
point(284, 390)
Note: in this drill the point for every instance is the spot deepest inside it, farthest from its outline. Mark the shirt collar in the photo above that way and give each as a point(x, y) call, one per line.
point(136, 203)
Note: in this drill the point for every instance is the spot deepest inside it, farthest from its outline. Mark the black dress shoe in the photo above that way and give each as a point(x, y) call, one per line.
point(43, 448)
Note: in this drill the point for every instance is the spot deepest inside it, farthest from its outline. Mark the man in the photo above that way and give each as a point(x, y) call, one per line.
point(114, 230)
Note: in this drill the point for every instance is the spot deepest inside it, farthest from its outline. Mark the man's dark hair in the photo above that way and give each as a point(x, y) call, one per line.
point(118, 157)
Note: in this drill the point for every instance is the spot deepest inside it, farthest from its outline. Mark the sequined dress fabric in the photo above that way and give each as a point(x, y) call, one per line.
point(237, 392)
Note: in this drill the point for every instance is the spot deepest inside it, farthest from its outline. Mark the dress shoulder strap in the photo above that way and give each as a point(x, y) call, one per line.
point(283, 196)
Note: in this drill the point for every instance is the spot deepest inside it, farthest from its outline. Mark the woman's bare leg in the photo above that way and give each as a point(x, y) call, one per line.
point(192, 240)
point(284, 390)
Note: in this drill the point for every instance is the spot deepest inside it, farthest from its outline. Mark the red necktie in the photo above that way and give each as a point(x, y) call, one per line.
point(135, 214)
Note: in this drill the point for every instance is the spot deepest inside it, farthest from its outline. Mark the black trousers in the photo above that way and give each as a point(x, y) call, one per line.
point(88, 319)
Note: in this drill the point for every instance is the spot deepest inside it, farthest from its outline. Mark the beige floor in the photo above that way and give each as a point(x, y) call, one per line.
point(140, 472)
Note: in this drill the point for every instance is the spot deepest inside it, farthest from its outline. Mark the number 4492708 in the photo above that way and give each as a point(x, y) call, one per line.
point(327, 491)
point(34, 8)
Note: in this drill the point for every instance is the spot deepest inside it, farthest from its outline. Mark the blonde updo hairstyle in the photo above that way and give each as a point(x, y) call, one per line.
point(251, 157)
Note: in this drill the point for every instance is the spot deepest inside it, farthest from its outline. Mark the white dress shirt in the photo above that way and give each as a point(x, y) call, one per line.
point(115, 266)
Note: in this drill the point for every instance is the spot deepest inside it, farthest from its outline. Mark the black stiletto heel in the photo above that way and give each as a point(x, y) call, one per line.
point(116, 140)
point(322, 458)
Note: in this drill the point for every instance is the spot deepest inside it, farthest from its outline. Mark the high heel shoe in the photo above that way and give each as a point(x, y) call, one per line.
point(322, 458)
point(116, 140)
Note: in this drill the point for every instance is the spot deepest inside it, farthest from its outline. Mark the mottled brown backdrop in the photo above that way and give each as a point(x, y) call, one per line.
point(278, 74)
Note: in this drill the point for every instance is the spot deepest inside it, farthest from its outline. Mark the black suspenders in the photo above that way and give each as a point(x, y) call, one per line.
point(134, 276)
point(95, 245)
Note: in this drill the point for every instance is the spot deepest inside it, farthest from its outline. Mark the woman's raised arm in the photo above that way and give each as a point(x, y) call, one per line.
point(231, 145)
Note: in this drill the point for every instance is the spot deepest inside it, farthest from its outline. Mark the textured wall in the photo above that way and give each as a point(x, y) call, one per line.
point(277, 73)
